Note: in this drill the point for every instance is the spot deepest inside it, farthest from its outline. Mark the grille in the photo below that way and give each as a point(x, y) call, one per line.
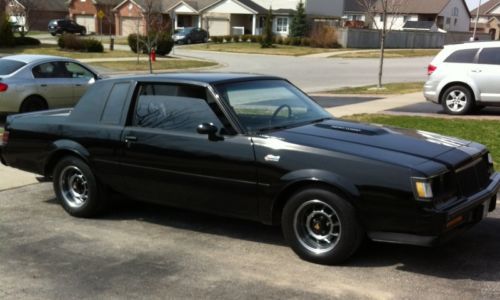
point(473, 177)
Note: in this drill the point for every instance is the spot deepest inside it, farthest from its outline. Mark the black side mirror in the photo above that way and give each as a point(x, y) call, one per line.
point(210, 129)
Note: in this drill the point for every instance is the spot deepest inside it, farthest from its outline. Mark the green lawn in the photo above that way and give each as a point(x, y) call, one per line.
point(254, 48)
point(168, 64)
point(54, 50)
point(388, 89)
point(483, 131)
point(400, 53)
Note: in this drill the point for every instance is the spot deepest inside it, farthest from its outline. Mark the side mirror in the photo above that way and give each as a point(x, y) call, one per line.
point(210, 129)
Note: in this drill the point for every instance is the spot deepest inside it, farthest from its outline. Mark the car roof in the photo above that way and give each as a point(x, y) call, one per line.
point(202, 77)
point(472, 45)
point(30, 58)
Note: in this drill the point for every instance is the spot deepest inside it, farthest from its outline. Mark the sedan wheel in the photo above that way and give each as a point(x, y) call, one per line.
point(321, 226)
point(76, 187)
point(457, 100)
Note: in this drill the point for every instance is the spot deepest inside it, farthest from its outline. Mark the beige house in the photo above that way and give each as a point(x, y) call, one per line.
point(489, 18)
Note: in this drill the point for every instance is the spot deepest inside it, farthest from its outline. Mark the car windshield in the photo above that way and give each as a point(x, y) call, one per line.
point(8, 66)
point(265, 105)
point(185, 30)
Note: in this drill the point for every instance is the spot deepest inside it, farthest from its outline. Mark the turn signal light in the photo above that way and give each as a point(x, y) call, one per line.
point(455, 222)
point(431, 69)
point(3, 87)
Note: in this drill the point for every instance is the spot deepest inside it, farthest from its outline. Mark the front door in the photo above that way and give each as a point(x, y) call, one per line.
point(166, 161)
point(486, 74)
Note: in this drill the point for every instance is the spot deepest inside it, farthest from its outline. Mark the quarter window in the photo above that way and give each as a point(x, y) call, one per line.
point(282, 25)
point(490, 56)
point(114, 105)
point(174, 107)
point(78, 71)
point(46, 70)
point(462, 56)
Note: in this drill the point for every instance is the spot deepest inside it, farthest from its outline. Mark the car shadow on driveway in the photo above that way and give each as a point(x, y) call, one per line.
point(126, 209)
point(335, 101)
point(472, 255)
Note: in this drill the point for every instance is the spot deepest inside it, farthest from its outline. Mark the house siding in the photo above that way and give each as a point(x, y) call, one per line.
point(328, 8)
point(458, 23)
point(128, 10)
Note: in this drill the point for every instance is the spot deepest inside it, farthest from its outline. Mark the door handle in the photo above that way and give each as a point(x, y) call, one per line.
point(78, 84)
point(43, 85)
point(130, 138)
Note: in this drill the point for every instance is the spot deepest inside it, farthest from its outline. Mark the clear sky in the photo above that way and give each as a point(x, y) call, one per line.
point(473, 3)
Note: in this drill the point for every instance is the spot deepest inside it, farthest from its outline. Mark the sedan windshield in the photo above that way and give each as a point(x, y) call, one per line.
point(8, 66)
point(185, 30)
point(264, 105)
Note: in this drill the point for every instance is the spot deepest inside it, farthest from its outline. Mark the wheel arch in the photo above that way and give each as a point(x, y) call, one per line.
point(312, 179)
point(61, 149)
point(474, 91)
point(33, 96)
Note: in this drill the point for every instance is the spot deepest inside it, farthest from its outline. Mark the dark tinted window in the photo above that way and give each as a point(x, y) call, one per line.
point(462, 56)
point(114, 106)
point(173, 107)
point(46, 70)
point(8, 66)
point(490, 56)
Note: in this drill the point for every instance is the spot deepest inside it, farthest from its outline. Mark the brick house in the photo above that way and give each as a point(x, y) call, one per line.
point(36, 14)
point(87, 13)
point(489, 18)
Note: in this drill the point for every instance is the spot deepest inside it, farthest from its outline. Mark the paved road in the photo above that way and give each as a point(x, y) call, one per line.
point(160, 253)
point(318, 74)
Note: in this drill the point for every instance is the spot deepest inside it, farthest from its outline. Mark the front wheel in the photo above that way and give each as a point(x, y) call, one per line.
point(321, 227)
point(77, 189)
point(457, 100)
point(83, 32)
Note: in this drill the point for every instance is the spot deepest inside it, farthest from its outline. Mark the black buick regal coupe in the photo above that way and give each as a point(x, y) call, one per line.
point(255, 147)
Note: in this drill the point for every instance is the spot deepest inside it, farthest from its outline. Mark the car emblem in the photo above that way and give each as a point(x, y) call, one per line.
point(273, 158)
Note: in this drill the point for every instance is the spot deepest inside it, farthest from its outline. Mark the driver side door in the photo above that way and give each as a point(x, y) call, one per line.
point(166, 161)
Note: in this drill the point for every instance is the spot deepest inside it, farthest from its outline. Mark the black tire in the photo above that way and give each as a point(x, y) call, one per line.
point(77, 189)
point(83, 32)
point(189, 41)
point(205, 39)
point(53, 33)
point(307, 227)
point(33, 103)
point(457, 100)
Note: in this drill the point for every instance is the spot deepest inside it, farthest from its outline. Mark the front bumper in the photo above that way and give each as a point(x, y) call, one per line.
point(449, 221)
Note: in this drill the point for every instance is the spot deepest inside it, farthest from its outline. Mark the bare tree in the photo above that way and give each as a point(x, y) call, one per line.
point(384, 9)
point(24, 13)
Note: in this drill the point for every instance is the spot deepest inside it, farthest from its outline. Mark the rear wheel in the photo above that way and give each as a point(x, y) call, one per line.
point(33, 103)
point(83, 32)
point(457, 100)
point(189, 41)
point(321, 226)
point(77, 189)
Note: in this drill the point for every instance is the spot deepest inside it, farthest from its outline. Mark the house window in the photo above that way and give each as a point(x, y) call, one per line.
point(455, 12)
point(448, 21)
point(405, 19)
point(282, 25)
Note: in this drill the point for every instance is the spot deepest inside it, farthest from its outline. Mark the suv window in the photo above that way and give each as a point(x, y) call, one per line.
point(465, 56)
point(173, 107)
point(490, 56)
point(8, 66)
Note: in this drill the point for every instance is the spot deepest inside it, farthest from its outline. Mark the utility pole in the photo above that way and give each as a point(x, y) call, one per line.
point(477, 21)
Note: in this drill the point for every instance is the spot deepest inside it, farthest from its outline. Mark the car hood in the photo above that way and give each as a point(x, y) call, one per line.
point(447, 150)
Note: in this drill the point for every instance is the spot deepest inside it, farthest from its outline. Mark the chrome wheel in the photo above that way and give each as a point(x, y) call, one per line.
point(74, 186)
point(456, 101)
point(317, 226)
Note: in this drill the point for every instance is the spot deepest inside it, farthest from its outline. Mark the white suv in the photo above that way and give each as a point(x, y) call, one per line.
point(465, 76)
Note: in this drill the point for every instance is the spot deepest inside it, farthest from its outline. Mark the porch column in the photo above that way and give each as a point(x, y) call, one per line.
point(199, 21)
point(175, 20)
point(254, 24)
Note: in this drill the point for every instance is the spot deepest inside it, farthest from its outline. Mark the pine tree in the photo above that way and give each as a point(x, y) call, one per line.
point(298, 28)
point(267, 39)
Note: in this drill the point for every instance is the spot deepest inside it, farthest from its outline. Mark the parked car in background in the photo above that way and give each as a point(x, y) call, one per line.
point(38, 82)
point(61, 26)
point(465, 77)
point(189, 35)
point(257, 148)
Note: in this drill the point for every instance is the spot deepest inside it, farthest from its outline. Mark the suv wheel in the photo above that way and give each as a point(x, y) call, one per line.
point(321, 226)
point(457, 100)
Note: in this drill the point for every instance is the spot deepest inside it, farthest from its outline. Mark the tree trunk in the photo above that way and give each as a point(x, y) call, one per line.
point(383, 36)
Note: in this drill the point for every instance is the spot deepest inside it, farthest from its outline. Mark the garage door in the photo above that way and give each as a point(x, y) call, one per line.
point(218, 27)
point(87, 21)
point(129, 26)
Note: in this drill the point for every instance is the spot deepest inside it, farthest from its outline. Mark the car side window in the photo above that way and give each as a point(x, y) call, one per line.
point(173, 107)
point(462, 56)
point(45, 70)
point(113, 110)
point(77, 71)
point(490, 56)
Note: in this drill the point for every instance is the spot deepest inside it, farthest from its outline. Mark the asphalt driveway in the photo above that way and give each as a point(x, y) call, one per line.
point(145, 251)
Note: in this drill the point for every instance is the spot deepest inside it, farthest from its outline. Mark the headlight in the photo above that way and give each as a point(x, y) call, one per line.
point(423, 188)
